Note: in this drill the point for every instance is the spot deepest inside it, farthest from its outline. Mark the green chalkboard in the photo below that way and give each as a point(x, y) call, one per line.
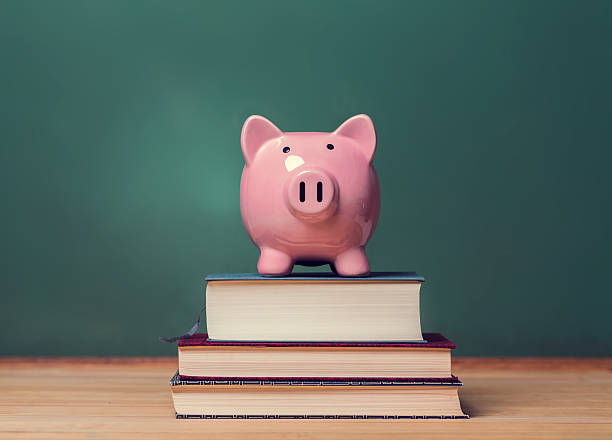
point(120, 160)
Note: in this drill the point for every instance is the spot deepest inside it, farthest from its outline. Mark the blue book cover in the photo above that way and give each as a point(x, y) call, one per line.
point(318, 276)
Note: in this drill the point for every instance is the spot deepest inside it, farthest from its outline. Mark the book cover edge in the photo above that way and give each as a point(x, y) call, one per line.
point(181, 380)
point(316, 276)
point(430, 340)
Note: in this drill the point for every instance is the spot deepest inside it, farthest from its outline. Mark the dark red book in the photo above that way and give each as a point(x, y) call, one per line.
point(204, 359)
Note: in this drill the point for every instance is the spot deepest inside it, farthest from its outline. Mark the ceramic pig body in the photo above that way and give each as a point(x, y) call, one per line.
point(310, 198)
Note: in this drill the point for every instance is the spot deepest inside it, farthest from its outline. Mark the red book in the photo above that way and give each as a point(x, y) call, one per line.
point(204, 359)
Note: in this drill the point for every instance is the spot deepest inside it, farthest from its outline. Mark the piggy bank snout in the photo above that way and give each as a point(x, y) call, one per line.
point(311, 195)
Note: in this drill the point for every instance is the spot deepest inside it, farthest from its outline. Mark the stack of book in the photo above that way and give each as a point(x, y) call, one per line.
point(315, 346)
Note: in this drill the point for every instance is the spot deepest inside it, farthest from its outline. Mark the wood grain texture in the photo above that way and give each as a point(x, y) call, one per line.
point(129, 398)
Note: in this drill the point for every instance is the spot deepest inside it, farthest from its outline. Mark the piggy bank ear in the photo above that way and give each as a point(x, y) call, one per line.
point(256, 131)
point(360, 128)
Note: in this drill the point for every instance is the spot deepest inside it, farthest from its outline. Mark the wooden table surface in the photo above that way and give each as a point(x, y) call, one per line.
point(118, 398)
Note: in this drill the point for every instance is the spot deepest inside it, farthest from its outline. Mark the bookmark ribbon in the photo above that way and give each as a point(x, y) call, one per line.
point(190, 333)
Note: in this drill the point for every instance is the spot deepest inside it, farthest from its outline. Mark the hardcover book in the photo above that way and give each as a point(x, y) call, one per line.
point(203, 357)
point(321, 398)
point(382, 307)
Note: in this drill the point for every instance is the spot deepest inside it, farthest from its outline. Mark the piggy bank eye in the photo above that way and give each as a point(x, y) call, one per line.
point(286, 150)
point(330, 147)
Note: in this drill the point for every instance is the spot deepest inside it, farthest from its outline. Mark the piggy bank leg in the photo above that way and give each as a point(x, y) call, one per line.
point(352, 263)
point(274, 262)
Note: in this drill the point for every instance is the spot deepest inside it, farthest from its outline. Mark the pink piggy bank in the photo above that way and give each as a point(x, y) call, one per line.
point(310, 198)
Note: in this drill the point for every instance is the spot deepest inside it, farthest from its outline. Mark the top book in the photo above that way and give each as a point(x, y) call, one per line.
point(382, 307)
